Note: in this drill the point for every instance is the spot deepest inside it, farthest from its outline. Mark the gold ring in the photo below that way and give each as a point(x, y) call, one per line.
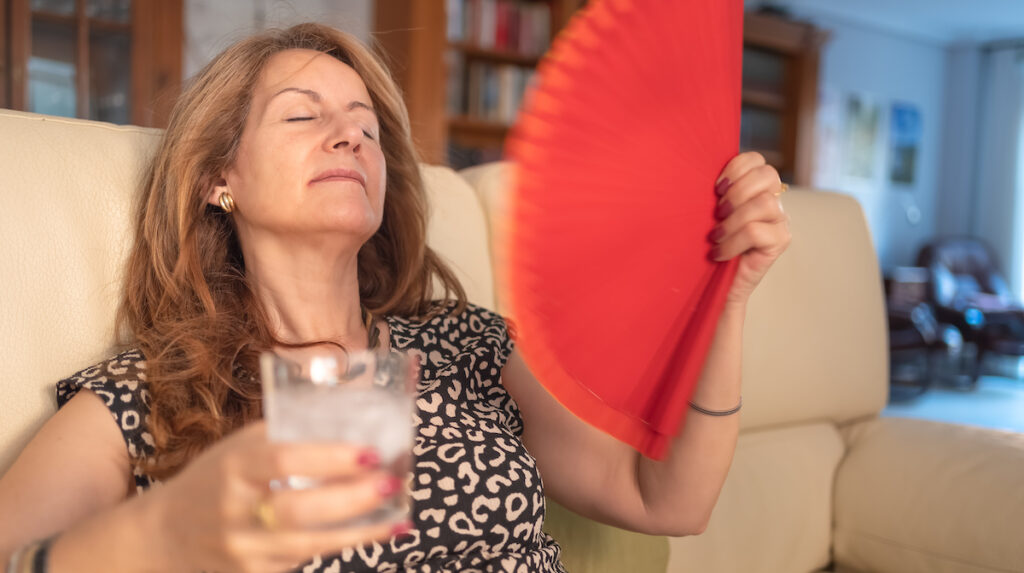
point(783, 189)
point(264, 513)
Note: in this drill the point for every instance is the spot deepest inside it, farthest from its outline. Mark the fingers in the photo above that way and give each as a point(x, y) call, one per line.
point(749, 211)
point(324, 461)
point(758, 180)
point(297, 509)
point(259, 461)
point(765, 208)
point(736, 168)
point(770, 238)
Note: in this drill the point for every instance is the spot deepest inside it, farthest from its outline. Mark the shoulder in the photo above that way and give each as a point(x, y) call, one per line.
point(446, 320)
point(450, 331)
point(120, 379)
point(120, 383)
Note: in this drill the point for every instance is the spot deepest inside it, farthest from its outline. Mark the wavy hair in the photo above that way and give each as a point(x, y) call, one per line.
point(188, 304)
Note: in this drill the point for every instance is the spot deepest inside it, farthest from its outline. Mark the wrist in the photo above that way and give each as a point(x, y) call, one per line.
point(150, 511)
point(735, 306)
point(127, 537)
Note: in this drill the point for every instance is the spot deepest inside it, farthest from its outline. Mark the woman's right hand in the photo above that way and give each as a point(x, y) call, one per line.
point(206, 515)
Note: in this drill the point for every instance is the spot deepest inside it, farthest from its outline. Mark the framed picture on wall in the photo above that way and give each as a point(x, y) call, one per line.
point(904, 142)
point(863, 117)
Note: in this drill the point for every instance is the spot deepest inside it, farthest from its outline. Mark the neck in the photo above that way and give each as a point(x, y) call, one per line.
point(309, 296)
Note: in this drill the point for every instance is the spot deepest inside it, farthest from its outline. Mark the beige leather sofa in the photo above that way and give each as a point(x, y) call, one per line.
point(819, 482)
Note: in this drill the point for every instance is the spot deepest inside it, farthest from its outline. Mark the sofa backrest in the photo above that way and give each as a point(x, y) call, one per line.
point(65, 228)
point(815, 340)
point(67, 188)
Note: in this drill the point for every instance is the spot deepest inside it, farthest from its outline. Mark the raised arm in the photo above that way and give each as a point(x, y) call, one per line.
point(602, 478)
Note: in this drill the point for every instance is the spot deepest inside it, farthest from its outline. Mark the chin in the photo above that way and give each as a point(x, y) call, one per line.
point(349, 223)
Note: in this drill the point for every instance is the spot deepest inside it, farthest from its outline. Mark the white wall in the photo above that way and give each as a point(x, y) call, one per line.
point(958, 173)
point(888, 65)
point(212, 25)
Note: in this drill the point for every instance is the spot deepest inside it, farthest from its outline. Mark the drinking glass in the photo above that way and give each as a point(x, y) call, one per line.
point(363, 398)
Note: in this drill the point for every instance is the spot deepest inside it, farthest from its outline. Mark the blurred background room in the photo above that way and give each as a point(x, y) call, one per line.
point(913, 107)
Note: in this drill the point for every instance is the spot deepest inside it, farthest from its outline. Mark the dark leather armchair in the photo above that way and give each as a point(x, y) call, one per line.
point(917, 340)
point(968, 290)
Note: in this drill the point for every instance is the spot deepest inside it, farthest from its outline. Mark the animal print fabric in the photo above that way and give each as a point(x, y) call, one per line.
point(478, 498)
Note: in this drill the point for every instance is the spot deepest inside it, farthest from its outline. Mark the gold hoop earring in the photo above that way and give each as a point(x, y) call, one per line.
point(226, 202)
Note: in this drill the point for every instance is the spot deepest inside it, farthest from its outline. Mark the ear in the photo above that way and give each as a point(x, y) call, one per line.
point(213, 197)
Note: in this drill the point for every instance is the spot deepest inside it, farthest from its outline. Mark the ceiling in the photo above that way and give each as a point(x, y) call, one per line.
point(942, 21)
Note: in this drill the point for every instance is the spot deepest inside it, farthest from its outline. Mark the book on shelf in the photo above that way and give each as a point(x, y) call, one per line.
point(455, 87)
point(504, 25)
point(460, 157)
point(485, 91)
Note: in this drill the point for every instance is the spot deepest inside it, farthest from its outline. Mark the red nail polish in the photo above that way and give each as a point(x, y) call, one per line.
point(716, 234)
point(368, 459)
point(723, 210)
point(401, 528)
point(389, 486)
point(722, 186)
point(714, 254)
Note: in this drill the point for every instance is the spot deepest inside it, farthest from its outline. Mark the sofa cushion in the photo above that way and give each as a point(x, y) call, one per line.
point(490, 181)
point(921, 496)
point(774, 513)
point(65, 229)
point(457, 230)
point(598, 548)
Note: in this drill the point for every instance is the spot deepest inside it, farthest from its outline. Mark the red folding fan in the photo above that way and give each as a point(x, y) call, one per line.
point(635, 112)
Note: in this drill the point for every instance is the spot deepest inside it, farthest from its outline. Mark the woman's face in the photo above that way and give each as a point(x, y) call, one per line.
point(309, 164)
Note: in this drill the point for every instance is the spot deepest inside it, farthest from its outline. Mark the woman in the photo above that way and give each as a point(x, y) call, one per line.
point(284, 207)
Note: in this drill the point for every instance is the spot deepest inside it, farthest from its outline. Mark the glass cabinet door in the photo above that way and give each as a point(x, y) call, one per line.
point(110, 78)
point(62, 7)
point(52, 73)
point(80, 60)
point(118, 61)
point(762, 123)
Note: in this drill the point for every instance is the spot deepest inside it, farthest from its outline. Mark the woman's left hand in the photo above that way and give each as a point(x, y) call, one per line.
point(751, 224)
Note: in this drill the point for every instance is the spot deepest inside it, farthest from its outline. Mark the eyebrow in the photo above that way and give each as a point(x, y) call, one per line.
point(315, 96)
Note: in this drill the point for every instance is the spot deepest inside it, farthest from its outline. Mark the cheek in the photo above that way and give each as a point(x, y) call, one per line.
point(260, 172)
point(380, 177)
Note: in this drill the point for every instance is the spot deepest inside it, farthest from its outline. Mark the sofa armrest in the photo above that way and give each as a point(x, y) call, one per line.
point(915, 495)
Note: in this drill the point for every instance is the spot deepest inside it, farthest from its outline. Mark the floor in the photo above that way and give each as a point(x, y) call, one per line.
point(997, 401)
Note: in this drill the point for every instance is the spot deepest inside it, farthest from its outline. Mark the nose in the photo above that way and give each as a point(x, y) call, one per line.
point(346, 134)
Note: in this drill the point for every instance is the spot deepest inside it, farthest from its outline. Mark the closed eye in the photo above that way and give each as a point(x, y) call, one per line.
point(367, 134)
point(299, 119)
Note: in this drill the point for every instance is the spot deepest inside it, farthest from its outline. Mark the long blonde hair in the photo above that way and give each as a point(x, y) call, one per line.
point(187, 302)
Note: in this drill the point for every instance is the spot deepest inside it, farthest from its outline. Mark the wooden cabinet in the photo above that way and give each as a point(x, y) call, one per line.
point(446, 53)
point(109, 60)
point(440, 73)
point(780, 92)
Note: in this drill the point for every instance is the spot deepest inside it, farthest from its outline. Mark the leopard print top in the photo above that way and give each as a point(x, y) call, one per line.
point(478, 498)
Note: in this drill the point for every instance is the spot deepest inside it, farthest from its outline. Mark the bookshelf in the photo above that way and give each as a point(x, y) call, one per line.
point(780, 92)
point(463, 66)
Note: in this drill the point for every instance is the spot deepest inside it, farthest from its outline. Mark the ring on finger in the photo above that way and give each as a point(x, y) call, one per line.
point(263, 512)
point(782, 189)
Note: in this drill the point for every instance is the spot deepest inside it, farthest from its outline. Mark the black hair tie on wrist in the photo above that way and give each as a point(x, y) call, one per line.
point(717, 412)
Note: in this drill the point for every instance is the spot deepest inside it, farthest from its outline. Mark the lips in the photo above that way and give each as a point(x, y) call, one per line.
point(339, 175)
